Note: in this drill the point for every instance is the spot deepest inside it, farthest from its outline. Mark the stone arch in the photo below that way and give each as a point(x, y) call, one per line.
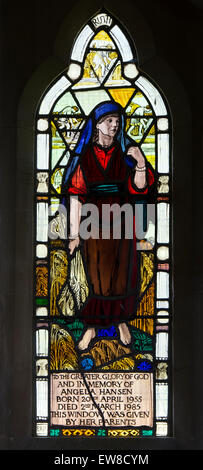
point(153, 65)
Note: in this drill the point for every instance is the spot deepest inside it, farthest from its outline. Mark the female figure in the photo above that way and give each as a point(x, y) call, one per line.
point(111, 169)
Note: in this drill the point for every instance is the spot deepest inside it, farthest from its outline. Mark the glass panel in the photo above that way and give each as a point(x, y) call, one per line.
point(163, 253)
point(162, 345)
point(89, 100)
point(102, 41)
point(42, 178)
point(66, 105)
point(43, 151)
point(162, 304)
point(42, 429)
point(162, 124)
point(56, 90)
point(41, 367)
point(148, 148)
point(81, 43)
point(90, 78)
point(65, 159)
point(41, 251)
point(74, 71)
point(130, 71)
point(42, 222)
point(56, 179)
point(98, 64)
point(59, 161)
point(67, 128)
point(162, 371)
point(102, 19)
point(116, 78)
point(122, 43)
point(121, 95)
point(42, 124)
point(152, 95)
point(139, 106)
point(162, 320)
point(163, 184)
point(163, 222)
point(162, 285)
point(163, 153)
point(137, 127)
point(53, 208)
point(162, 313)
point(42, 398)
point(161, 400)
point(41, 281)
point(42, 342)
point(161, 429)
point(58, 125)
point(41, 311)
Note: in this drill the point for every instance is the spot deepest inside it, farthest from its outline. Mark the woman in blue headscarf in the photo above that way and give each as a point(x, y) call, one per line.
point(107, 168)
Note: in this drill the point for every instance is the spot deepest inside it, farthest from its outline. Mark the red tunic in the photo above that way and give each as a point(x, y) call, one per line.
point(114, 169)
point(102, 177)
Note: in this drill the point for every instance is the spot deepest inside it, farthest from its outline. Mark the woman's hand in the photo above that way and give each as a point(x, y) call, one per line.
point(140, 169)
point(73, 244)
point(135, 153)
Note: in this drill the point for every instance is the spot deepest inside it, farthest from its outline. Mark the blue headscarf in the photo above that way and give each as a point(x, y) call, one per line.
point(100, 111)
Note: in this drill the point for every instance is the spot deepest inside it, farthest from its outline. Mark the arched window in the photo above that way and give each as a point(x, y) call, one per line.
point(117, 383)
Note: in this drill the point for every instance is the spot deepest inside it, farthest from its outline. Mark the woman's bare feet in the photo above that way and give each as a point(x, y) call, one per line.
point(88, 336)
point(125, 335)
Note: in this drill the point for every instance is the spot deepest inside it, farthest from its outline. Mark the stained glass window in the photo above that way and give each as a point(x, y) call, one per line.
point(102, 303)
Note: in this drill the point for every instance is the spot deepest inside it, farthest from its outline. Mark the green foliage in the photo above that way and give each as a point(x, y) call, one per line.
point(75, 327)
point(141, 341)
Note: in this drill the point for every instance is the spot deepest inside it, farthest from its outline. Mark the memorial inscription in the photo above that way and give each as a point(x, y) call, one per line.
point(124, 399)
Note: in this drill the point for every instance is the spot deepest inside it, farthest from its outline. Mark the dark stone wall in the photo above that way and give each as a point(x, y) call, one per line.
point(36, 39)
